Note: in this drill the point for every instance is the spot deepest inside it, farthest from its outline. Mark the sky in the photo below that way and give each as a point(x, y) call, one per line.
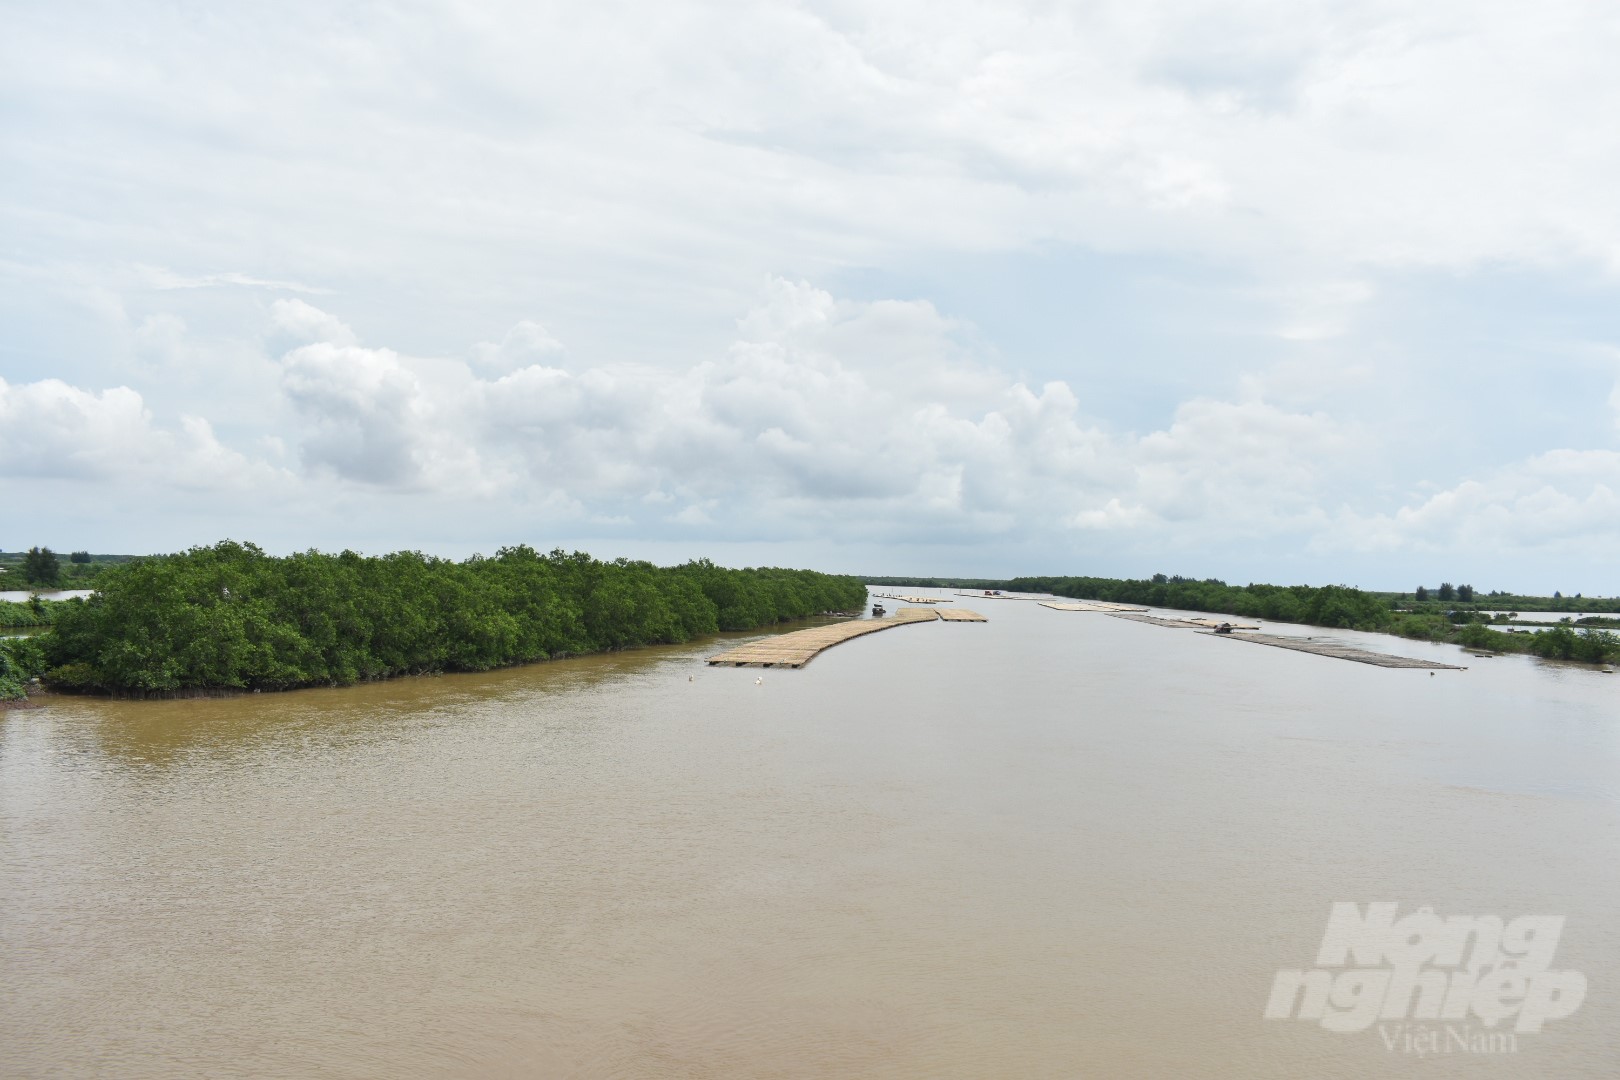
point(1282, 291)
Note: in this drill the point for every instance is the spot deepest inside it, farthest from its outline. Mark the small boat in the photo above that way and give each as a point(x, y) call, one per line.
point(877, 609)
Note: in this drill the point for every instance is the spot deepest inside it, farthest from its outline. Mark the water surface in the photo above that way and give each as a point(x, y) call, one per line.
point(1054, 844)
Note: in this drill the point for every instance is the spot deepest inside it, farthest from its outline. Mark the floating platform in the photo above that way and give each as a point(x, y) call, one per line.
point(798, 648)
point(1340, 652)
point(1185, 624)
point(960, 615)
point(1091, 606)
point(912, 599)
point(1195, 623)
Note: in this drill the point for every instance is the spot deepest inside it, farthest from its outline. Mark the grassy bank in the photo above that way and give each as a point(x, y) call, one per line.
point(230, 617)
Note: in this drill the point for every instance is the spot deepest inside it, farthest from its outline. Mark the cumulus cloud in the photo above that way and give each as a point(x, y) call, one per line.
point(454, 169)
point(844, 421)
point(524, 344)
point(307, 323)
point(368, 417)
point(50, 430)
point(1562, 499)
point(856, 417)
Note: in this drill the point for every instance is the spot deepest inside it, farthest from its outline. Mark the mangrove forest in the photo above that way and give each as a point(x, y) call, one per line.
point(231, 617)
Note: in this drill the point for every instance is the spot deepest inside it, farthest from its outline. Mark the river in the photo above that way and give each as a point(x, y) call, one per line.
point(1056, 844)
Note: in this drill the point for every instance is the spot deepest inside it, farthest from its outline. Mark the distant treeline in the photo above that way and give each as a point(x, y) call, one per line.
point(232, 617)
point(1326, 605)
point(1336, 606)
point(1431, 600)
point(42, 568)
point(937, 582)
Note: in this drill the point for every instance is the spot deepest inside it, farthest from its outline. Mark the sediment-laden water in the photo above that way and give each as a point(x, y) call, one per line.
point(1055, 844)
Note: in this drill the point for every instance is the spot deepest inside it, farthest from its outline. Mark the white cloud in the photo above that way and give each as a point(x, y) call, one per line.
point(306, 322)
point(452, 169)
point(158, 277)
point(855, 417)
point(485, 147)
point(1560, 500)
point(50, 430)
point(847, 422)
point(525, 343)
point(367, 416)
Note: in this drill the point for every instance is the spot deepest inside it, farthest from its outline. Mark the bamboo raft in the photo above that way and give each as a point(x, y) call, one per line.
point(911, 599)
point(1340, 652)
point(1186, 624)
point(801, 646)
point(960, 615)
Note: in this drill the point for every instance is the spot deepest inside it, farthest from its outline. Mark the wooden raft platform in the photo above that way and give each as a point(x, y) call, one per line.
point(1156, 621)
point(960, 615)
point(798, 648)
point(1085, 606)
point(1340, 652)
point(911, 599)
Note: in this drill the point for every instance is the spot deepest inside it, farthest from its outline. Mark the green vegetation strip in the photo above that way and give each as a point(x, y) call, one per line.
point(1341, 607)
point(230, 617)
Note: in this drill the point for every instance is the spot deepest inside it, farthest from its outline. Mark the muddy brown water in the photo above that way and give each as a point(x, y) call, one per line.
point(1052, 845)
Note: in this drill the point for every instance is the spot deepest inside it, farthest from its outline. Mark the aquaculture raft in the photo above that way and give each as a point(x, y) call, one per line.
point(1341, 652)
point(960, 615)
point(1156, 621)
point(801, 646)
point(1097, 606)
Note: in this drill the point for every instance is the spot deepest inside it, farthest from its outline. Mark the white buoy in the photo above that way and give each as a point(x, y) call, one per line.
point(759, 681)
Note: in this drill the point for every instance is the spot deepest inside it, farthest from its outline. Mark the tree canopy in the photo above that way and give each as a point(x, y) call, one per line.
point(1329, 605)
point(41, 567)
point(232, 617)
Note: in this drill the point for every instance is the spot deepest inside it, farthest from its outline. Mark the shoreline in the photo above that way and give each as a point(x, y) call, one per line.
point(45, 690)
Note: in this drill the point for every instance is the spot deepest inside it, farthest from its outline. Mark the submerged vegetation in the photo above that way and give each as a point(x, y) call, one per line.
point(230, 617)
